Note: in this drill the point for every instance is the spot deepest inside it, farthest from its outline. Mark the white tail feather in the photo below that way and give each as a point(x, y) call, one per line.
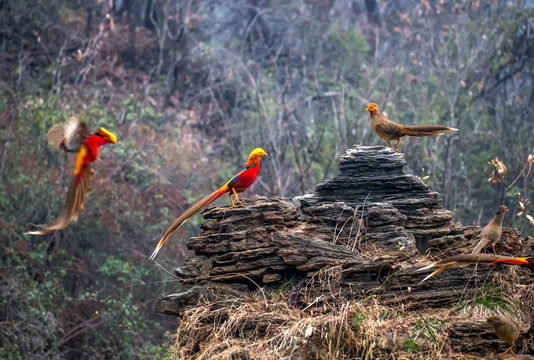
point(427, 267)
point(429, 276)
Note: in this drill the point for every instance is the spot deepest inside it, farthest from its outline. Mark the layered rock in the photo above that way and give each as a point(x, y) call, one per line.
point(357, 235)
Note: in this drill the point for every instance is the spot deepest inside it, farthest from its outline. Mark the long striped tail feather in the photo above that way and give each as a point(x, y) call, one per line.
point(426, 130)
point(76, 194)
point(466, 259)
point(193, 210)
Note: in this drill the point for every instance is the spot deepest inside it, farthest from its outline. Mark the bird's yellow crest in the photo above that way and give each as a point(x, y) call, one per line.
point(107, 135)
point(254, 155)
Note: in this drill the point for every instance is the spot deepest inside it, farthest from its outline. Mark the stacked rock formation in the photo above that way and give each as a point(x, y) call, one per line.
point(366, 226)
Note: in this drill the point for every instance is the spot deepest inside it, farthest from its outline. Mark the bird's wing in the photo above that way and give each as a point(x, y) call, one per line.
point(68, 136)
point(76, 194)
point(232, 181)
point(186, 216)
point(488, 235)
point(389, 128)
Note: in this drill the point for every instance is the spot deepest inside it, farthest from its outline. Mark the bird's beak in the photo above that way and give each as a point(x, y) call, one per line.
point(506, 209)
point(368, 109)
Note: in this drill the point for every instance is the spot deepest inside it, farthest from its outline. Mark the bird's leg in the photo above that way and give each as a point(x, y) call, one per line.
point(389, 143)
point(232, 200)
point(493, 246)
point(236, 197)
point(397, 148)
point(510, 348)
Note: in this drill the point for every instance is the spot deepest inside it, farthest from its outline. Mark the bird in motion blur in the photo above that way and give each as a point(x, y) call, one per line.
point(389, 130)
point(75, 136)
point(489, 235)
point(237, 184)
point(505, 329)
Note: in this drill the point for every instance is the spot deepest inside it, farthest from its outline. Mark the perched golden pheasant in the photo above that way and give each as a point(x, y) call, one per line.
point(492, 232)
point(237, 184)
point(74, 136)
point(505, 329)
point(389, 130)
point(489, 235)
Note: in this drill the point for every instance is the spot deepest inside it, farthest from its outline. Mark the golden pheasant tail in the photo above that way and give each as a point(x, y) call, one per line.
point(425, 130)
point(76, 194)
point(467, 259)
point(193, 210)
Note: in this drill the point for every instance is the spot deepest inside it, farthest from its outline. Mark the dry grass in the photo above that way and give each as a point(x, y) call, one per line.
point(259, 328)
point(325, 325)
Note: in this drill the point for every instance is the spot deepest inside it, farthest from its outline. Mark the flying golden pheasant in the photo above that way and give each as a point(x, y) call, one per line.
point(74, 136)
point(389, 130)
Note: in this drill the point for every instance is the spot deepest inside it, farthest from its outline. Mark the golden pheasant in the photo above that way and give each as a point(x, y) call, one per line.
point(506, 330)
point(389, 130)
point(489, 235)
point(74, 136)
point(491, 232)
point(237, 184)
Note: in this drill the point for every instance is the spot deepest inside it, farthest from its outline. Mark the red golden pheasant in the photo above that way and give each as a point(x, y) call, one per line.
point(74, 136)
point(237, 184)
point(389, 130)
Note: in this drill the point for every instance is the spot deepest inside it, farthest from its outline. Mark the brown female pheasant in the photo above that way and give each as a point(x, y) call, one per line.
point(389, 130)
point(489, 235)
point(505, 329)
point(492, 232)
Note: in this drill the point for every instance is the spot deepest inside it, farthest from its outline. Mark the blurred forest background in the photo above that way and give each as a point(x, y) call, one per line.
point(190, 88)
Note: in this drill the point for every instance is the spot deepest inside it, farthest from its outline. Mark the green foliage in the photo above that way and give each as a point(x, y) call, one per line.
point(427, 328)
point(411, 346)
point(490, 298)
point(357, 322)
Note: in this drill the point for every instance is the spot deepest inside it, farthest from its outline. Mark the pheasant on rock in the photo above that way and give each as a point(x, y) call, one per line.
point(505, 329)
point(389, 130)
point(489, 235)
point(237, 184)
point(74, 136)
point(492, 232)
